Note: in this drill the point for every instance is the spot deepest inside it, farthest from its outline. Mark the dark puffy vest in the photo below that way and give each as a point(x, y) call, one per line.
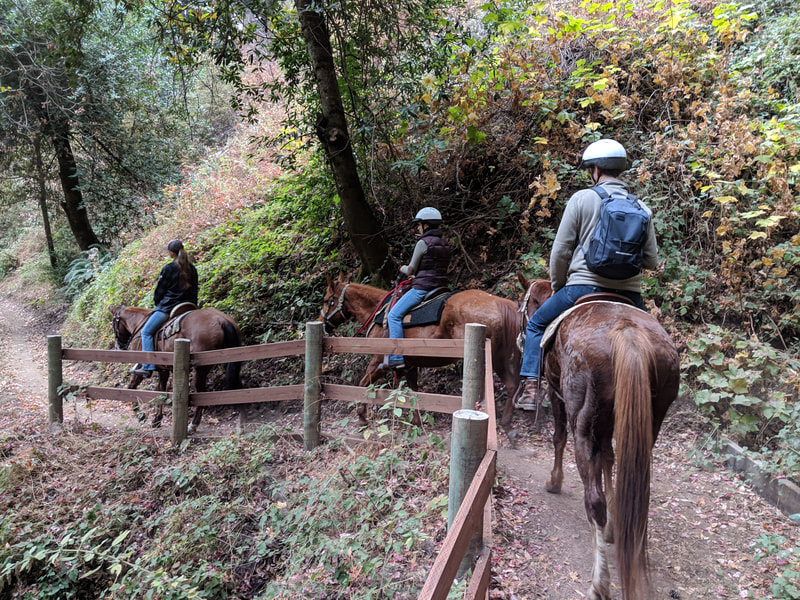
point(433, 266)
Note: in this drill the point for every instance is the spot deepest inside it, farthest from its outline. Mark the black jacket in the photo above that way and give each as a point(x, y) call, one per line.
point(168, 294)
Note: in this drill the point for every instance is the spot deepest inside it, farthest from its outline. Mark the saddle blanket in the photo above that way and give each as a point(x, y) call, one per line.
point(427, 312)
point(550, 332)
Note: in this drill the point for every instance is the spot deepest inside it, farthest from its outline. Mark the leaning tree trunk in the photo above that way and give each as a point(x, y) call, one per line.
point(331, 128)
point(77, 216)
point(40, 174)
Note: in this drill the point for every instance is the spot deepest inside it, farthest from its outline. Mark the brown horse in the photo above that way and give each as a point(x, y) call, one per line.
point(344, 301)
point(206, 329)
point(612, 372)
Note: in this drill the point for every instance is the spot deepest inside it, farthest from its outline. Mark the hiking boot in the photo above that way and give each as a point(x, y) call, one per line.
point(146, 373)
point(527, 395)
point(392, 363)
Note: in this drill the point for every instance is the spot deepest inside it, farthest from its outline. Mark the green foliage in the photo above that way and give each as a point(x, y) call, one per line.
point(85, 269)
point(215, 521)
point(752, 390)
point(783, 558)
point(265, 266)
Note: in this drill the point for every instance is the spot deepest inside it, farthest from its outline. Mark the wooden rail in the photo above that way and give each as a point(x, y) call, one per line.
point(475, 509)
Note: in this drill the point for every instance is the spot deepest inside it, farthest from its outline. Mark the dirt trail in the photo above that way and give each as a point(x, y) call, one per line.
point(703, 523)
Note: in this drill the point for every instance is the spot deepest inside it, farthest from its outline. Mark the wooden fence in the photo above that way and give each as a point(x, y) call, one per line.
point(468, 542)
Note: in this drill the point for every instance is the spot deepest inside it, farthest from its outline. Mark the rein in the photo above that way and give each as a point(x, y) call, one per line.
point(523, 324)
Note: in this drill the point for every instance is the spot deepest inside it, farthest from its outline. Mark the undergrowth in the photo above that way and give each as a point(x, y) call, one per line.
point(243, 517)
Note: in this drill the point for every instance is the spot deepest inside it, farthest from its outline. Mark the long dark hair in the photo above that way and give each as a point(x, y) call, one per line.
point(184, 262)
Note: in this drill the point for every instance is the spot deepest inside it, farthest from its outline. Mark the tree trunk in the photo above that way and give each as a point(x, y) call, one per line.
point(332, 131)
point(42, 180)
point(73, 206)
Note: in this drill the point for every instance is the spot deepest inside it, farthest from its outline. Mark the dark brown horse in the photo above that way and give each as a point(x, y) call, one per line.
point(344, 301)
point(612, 372)
point(206, 329)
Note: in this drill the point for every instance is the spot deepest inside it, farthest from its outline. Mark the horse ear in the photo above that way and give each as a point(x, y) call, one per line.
point(341, 277)
point(523, 280)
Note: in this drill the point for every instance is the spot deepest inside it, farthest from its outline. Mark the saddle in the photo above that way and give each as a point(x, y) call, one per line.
point(550, 332)
point(177, 315)
point(427, 312)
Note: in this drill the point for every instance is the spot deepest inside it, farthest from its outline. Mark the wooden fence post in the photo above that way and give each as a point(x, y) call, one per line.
point(467, 449)
point(55, 411)
point(312, 406)
point(180, 390)
point(474, 365)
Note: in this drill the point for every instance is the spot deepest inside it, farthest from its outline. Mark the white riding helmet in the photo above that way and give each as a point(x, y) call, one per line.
point(607, 154)
point(428, 215)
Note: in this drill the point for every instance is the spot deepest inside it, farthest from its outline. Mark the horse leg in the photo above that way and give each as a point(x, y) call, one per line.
point(412, 379)
point(591, 466)
point(200, 377)
point(158, 414)
point(373, 373)
point(601, 581)
point(559, 441)
point(137, 408)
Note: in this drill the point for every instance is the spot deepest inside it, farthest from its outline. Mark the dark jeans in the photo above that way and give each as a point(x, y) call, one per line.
point(563, 299)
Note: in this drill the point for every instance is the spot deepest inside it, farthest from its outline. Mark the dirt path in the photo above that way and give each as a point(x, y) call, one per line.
point(702, 528)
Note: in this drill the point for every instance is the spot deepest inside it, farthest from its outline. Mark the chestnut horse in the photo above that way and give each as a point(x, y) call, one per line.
point(344, 301)
point(205, 328)
point(612, 372)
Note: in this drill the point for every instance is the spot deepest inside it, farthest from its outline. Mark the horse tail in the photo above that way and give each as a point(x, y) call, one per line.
point(231, 338)
point(633, 357)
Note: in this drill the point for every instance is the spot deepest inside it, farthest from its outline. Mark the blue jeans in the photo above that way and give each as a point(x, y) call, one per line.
point(563, 299)
point(154, 323)
point(404, 304)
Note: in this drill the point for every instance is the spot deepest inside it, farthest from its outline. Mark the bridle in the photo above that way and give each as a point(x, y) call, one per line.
point(326, 318)
point(115, 325)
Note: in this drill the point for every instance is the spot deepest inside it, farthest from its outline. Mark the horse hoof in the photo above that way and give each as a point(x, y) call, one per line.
point(593, 594)
point(553, 488)
point(191, 429)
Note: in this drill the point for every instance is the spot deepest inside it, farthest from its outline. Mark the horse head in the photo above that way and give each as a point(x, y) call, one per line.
point(122, 335)
point(333, 312)
point(537, 291)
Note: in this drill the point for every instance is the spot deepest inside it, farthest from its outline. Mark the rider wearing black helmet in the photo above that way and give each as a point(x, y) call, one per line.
point(428, 268)
point(570, 276)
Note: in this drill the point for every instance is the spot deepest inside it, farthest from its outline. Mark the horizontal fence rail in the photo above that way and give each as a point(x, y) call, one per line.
point(476, 505)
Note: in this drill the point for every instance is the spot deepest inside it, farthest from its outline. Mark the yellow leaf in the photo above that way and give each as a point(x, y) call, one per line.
point(795, 168)
point(780, 272)
point(757, 235)
point(426, 98)
point(725, 199)
point(707, 214)
point(722, 230)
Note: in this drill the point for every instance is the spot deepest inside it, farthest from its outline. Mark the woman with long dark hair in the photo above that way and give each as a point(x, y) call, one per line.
point(177, 284)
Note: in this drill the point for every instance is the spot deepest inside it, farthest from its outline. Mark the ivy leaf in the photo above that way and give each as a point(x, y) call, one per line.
point(474, 136)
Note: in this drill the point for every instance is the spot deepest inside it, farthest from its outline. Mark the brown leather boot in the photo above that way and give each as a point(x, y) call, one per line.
point(527, 395)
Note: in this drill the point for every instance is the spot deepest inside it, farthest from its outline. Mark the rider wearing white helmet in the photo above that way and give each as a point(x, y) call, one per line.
point(570, 276)
point(428, 269)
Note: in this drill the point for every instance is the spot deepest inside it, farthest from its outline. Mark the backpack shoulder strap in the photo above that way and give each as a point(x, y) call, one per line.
point(600, 192)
